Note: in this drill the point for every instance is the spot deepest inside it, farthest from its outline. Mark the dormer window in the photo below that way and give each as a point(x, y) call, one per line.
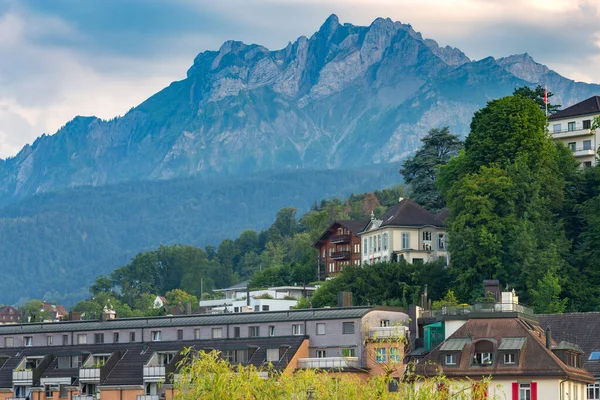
point(450, 359)
point(510, 358)
point(484, 352)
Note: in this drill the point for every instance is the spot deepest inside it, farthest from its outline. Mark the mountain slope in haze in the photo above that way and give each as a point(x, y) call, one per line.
point(66, 238)
point(347, 96)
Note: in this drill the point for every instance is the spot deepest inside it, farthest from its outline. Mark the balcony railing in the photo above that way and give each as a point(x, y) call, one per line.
point(478, 309)
point(583, 152)
point(328, 362)
point(154, 373)
point(579, 131)
point(387, 332)
point(89, 374)
point(147, 397)
point(340, 238)
point(340, 255)
point(84, 397)
point(22, 376)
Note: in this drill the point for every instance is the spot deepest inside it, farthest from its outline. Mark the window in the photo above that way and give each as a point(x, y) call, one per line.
point(76, 362)
point(417, 261)
point(441, 241)
point(115, 337)
point(587, 164)
point(254, 331)
point(385, 241)
point(49, 340)
point(235, 356)
point(571, 146)
point(365, 248)
point(371, 244)
point(63, 362)
point(321, 328)
point(217, 333)
point(587, 144)
point(378, 242)
point(297, 329)
point(321, 353)
point(349, 352)
point(587, 123)
point(165, 358)
point(265, 308)
point(179, 334)
point(271, 330)
point(98, 337)
point(384, 322)
point(82, 338)
point(8, 342)
point(380, 354)
point(394, 354)
point(197, 334)
point(348, 328)
point(132, 337)
point(427, 236)
point(236, 332)
point(450, 359)
point(510, 358)
point(593, 391)
point(272, 355)
point(236, 309)
point(482, 358)
point(571, 126)
point(594, 356)
point(28, 341)
point(63, 392)
point(48, 391)
point(524, 391)
point(155, 336)
point(65, 340)
point(556, 128)
point(405, 240)
point(256, 308)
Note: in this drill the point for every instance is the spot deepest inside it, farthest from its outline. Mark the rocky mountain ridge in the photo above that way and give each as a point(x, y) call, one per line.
point(348, 96)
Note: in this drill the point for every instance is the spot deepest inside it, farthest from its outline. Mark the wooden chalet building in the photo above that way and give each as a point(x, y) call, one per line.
point(339, 246)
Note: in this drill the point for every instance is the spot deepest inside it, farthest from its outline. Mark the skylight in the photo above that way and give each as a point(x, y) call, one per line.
point(594, 356)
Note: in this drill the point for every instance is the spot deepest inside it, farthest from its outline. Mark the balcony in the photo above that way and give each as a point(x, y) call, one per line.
point(475, 309)
point(583, 152)
point(24, 377)
point(340, 255)
point(89, 375)
point(340, 238)
point(387, 332)
point(84, 397)
point(572, 133)
point(154, 373)
point(147, 397)
point(328, 362)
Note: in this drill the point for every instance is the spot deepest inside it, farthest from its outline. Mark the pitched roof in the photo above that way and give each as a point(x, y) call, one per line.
point(580, 328)
point(588, 106)
point(409, 213)
point(9, 310)
point(535, 359)
point(353, 226)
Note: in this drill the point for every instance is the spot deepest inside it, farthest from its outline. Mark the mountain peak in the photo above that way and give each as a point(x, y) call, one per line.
point(524, 66)
point(331, 24)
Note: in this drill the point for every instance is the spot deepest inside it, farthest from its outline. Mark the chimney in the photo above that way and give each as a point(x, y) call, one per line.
point(248, 295)
point(345, 299)
point(188, 308)
point(492, 286)
point(548, 338)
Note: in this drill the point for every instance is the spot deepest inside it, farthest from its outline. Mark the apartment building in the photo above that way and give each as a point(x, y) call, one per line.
point(135, 358)
point(504, 341)
point(406, 231)
point(572, 126)
point(338, 247)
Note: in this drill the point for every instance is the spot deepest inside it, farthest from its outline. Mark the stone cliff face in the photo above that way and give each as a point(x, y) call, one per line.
point(345, 97)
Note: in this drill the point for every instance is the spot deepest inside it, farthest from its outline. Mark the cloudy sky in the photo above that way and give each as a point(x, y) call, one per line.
point(62, 58)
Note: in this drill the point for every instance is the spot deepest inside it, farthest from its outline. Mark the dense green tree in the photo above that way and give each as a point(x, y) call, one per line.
point(546, 297)
point(33, 311)
point(179, 297)
point(420, 171)
point(537, 95)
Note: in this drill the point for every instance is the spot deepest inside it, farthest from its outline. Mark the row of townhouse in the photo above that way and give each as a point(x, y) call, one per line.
point(406, 231)
point(524, 356)
point(135, 358)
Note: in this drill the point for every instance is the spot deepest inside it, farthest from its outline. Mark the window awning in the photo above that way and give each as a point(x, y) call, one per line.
point(515, 343)
point(455, 344)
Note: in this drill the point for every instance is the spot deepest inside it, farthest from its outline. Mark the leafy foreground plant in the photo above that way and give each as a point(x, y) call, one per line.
point(207, 376)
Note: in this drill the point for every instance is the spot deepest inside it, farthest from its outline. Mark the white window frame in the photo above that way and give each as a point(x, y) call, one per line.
point(571, 126)
point(385, 241)
point(405, 240)
point(321, 328)
point(27, 341)
point(297, 329)
point(593, 391)
point(81, 338)
point(9, 341)
point(271, 330)
point(450, 359)
point(216, 333)
point(321, 353)
point(273, 355)
point(524, 391)
point(381, 354)
point(155, 336)
point(510, 358)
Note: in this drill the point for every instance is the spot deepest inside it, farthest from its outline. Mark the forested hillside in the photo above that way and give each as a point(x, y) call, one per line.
point(65, 239)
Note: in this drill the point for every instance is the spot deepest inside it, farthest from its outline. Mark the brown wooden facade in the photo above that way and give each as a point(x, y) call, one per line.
point(338, 247)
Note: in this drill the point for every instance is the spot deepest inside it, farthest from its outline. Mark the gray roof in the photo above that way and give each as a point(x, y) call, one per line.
point(190, 320)
point(454, 344)
point(567, 346)
point(512, 343)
